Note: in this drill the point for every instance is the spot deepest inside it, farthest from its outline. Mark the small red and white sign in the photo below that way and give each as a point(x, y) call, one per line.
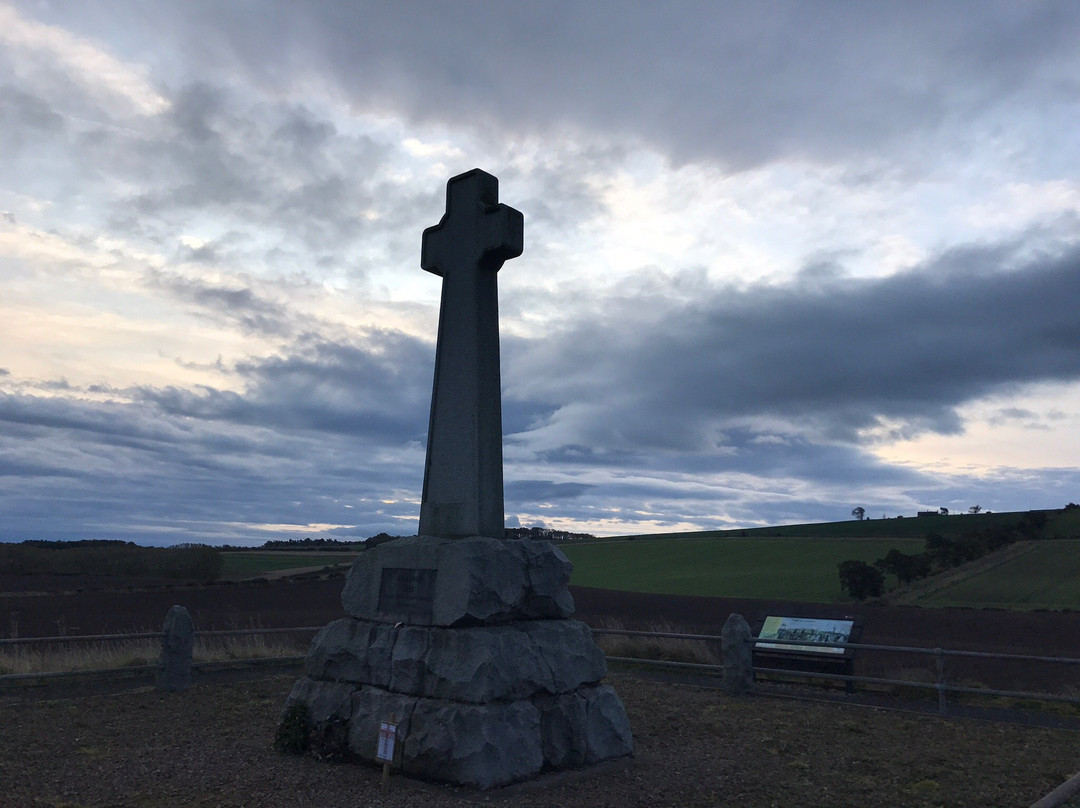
point(387, 735)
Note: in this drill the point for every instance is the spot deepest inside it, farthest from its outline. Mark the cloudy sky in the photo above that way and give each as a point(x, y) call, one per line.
point(781, 260)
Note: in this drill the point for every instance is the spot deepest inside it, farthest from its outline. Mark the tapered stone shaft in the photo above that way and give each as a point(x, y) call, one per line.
point(463, 476)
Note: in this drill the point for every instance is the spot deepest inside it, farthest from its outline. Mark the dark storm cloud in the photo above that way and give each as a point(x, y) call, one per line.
point(323, 432)
point(901, 352)
point(740, 83)
point(280, 166)
point(240, 306)
point(141, 469)
point(795, 458)
point(276, 174)
point(56, 413)
point(691, 411)
point(376, 389)
point(544, 490)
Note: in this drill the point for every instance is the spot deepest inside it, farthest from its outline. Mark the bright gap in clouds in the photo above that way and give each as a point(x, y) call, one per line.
point(1034, 428)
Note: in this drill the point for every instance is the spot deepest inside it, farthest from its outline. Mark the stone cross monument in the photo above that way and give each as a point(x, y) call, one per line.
point(459, 637)
point(463, 482)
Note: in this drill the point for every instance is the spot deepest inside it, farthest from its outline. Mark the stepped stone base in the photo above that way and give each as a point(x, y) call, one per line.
point(467, 645)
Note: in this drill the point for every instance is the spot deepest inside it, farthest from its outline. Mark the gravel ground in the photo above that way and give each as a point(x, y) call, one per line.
point(211, 746)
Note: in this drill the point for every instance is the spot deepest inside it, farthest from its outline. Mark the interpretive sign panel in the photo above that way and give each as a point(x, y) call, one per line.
point(407, 591)
point(805, 629)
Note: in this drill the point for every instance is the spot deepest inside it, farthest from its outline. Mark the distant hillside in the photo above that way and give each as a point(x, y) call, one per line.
point(1059, 524)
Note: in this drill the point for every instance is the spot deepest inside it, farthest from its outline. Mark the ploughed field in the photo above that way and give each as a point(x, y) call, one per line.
point(108, 607)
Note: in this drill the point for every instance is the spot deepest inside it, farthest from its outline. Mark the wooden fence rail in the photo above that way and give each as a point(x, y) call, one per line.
point(940, 686)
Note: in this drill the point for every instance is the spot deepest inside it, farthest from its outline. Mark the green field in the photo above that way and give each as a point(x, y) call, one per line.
point(789, 562)
point(1045, 577)
point(780, 568)
point(251, 563)
point(1059, 525)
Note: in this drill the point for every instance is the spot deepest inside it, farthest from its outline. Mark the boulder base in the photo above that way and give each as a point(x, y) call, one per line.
point(466, 645)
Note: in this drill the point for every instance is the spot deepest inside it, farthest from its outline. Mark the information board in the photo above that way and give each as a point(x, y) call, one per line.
point(806, 629)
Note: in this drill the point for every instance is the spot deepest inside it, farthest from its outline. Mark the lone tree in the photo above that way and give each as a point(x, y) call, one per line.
point(859, 513)
point(860, 580)
point(974, 509)
point(943, 511)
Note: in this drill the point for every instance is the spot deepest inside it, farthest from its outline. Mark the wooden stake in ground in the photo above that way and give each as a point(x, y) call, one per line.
point(385, 751)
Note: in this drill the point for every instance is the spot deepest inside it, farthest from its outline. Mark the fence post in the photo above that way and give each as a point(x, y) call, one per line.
point(736, 643)
point(177, 645)
point(939, 659)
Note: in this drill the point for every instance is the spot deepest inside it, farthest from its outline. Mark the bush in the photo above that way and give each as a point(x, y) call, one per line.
point(293, 735)
point(906, 568)
point(860, 580)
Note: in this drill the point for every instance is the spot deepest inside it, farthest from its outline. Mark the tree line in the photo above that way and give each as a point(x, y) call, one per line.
point(535, 533)
point(861, 580)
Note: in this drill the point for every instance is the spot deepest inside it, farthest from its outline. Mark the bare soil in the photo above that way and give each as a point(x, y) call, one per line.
point(212, 746)
point(46, 606)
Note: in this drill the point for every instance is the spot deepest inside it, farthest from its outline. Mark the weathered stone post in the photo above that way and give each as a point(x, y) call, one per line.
point(735, 643)
point(177, 645)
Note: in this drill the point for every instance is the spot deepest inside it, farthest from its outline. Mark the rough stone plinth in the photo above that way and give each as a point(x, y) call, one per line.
point(478, 580)
point(477, 664)
point(487, 678)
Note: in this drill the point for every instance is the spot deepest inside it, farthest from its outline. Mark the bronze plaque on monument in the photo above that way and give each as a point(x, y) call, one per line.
point(407, 591)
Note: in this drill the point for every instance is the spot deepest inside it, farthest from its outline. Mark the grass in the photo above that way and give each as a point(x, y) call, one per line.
point(1045, 577)
point(103, 655)
point(250, 563)
point(768, 568)
point(669, 649)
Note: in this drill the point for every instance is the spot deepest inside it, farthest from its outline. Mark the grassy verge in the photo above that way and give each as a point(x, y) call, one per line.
point(669, 649)
point(104, 655)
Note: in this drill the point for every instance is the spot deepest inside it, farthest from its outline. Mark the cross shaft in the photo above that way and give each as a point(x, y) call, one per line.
point(463, 480)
